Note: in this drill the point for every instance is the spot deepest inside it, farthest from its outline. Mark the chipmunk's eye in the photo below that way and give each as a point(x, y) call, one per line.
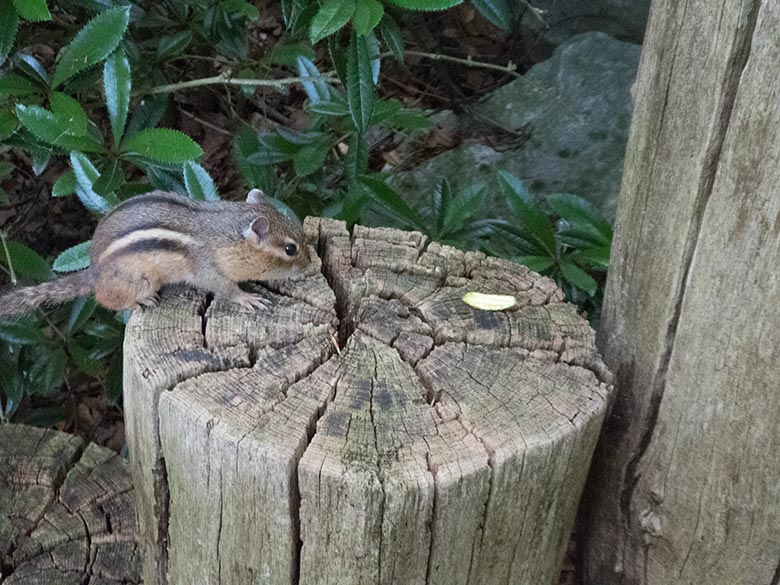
point(290, 249)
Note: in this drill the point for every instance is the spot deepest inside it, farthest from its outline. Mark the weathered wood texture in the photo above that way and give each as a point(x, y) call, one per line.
point(442, 445)
point(66, 512)
point(686, 482)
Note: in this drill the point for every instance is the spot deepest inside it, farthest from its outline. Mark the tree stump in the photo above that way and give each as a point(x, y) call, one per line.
point(66, 512)
point(369, 428)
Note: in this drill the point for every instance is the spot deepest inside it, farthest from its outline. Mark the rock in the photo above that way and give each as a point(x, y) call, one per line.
point(576, 107)
point(561, 19)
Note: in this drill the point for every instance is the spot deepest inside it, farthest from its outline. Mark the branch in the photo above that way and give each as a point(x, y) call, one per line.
point(511, 68)
point(225, 79)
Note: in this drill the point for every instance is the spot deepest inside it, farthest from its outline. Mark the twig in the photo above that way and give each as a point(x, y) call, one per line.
point(11, 272)
point(204, 123)
point(511, 68)
point(225, 79)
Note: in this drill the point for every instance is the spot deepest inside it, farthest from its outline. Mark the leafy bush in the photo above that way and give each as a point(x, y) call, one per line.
point(95, 114)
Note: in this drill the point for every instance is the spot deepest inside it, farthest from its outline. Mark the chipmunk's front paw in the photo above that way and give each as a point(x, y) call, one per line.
point(253, 302)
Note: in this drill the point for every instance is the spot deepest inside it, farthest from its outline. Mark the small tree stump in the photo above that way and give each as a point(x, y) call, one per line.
point(66, 511)
point(369, 428)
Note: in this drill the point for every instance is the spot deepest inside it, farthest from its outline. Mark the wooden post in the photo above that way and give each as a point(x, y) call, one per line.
point(686, 486)
point(370, 428)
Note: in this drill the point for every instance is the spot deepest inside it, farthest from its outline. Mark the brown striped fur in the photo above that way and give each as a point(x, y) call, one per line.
point(162, 238)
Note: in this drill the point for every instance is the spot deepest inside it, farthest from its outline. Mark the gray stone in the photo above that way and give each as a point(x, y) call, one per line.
point(577, 108)
point(562, 19)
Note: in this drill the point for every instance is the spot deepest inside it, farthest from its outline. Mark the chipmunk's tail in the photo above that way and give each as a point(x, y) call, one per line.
point(17, 301)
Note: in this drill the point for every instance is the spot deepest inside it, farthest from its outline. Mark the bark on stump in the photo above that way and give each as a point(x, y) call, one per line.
point(443, 445)
point(66, 512)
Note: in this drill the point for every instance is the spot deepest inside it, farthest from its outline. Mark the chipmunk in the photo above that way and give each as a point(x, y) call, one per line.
point(163, 238)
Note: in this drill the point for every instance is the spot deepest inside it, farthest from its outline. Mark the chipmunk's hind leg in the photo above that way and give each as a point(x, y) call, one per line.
point(120, 289)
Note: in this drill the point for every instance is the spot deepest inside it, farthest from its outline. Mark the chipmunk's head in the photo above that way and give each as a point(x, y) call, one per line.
point(278, 238)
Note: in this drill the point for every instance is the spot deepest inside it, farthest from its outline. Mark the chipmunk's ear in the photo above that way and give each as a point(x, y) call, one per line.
point(256, 197)
point(257, 230)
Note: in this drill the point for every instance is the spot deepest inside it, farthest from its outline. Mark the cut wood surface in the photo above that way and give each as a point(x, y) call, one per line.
point(66, 512)
point(369, 428)
point(686, 483)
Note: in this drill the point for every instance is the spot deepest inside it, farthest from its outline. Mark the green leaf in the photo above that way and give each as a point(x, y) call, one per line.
point(360, 88)
point(69, 113)
point(409, 119)
point(429, 5)
point(64, 185)
point(12, 84)
point(49, 128)
point(356, 161)
point(384, 110)
point(8, 124)
point(245, 143)
point(368, 13)
point(147, 114)
point(162, 144)
point(48, 372)
point(172, 45)
point(21, 333)
point(27, 262)
point(462, 207)
point(496, 11)
point(198, 182)
point(86, 175)
point(6, 168)
point(74, 258)
point(35, 10)
point(31, 67)
point(579, 278)
point(393, 203)
point(9, 22)
point(332, 16)
point(536, 263)
point(330, 108)
point(392, 36)
point(581, 213)
point(114, 380)
point(526, 211)
point(111, 178)
point(93, 43)
point(316, 89)
point(80, 312)
point(116, 85)
point(338, 57)
point(595, 257)
point(84, 360)
point(287, 55)
point(310, 159)
point(283, 208)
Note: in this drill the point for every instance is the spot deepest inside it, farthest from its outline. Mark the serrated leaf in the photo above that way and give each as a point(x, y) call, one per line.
point(393, 203)
point(172, 45)
point(84, 360)
point(117, 85)
point(316, 89)
point(360, 88)
point(86, 175)
point(338, 57)
point(462, 207)
point(372, 44)
point(64, 185)
point(111, 178)
point(579, 278)
point(332, 16)
point(93, 43)
point(31, 67)
point(368, 13)
point(199, 184)
point(9, 22)
point(356, 161)
point(82, 309)
point(69, 113)
point(16, 85)
point(384, 110)
point(74, 258)
point(34, 10)
point(329, 108)
point(392, 36)
point(162, 144)
point(580, 213)
point(245, 143)
point(409, 119)
point(27, 262)
point(526, 211)
point(49, 128)
point(147, 114)
point(8, 124)
point(496, 11)
point(596, 257)
point(21, 333)
point(48, 372)
point(428, 5)
point(310, 159)
point(287, 55)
